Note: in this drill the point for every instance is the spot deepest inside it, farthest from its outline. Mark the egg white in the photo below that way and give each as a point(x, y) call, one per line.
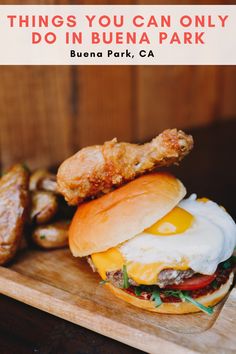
point(209, 241)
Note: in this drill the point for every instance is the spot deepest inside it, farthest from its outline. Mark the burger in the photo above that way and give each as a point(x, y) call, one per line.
point(156, 250)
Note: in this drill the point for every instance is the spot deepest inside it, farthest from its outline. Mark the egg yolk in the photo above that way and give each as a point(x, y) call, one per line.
point(176, 221)
point(203, 200)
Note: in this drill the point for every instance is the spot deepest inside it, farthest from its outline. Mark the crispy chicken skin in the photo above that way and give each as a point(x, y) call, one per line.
point(96, 170)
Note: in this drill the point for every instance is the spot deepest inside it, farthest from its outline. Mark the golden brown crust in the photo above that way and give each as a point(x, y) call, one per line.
point(120, 215)
point(96, 170)
point(177, 307)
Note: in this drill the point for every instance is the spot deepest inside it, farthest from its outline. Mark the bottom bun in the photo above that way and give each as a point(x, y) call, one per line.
point(175, 307)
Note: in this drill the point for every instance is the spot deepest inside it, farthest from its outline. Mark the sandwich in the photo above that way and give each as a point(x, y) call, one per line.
point(154, 249)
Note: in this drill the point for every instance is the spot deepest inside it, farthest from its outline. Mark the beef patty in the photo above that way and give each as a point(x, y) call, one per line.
point(165, 277)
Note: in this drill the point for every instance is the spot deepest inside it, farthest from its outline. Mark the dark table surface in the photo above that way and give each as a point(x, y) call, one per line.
point(208, 171)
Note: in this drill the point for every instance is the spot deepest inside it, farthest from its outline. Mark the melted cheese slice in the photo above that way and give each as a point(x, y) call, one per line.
point(108, 261)
point(146, 274)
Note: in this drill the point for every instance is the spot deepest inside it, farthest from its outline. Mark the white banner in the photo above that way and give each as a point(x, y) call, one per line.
point(114, 34)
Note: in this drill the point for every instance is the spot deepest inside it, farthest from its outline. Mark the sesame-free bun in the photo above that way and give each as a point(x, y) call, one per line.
point(120, 215)
point(175, 308)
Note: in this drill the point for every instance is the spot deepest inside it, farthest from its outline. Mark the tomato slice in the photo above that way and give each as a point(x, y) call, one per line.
point(197, 281)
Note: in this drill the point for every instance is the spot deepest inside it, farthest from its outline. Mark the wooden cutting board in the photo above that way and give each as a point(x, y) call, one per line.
point(66, 287)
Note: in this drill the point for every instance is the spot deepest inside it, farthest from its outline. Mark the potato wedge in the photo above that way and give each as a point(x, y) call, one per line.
point(14, 202)
point(42, 179)
point(51, 236)
point(49, 183)
point(35, 177)
point(44, 206)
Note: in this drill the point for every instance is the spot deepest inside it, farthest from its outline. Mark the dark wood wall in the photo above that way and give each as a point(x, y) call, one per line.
point(48, 112)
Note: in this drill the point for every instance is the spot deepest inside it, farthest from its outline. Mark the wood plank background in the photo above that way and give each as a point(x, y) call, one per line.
point(49, 112)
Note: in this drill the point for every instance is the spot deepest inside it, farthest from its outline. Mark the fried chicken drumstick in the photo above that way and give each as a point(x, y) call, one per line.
point(96, 170)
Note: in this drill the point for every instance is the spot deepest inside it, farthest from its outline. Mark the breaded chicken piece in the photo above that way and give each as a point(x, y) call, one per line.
point(96, 170)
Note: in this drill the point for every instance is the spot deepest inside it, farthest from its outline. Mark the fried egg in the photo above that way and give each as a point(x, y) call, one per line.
point(197, 234)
